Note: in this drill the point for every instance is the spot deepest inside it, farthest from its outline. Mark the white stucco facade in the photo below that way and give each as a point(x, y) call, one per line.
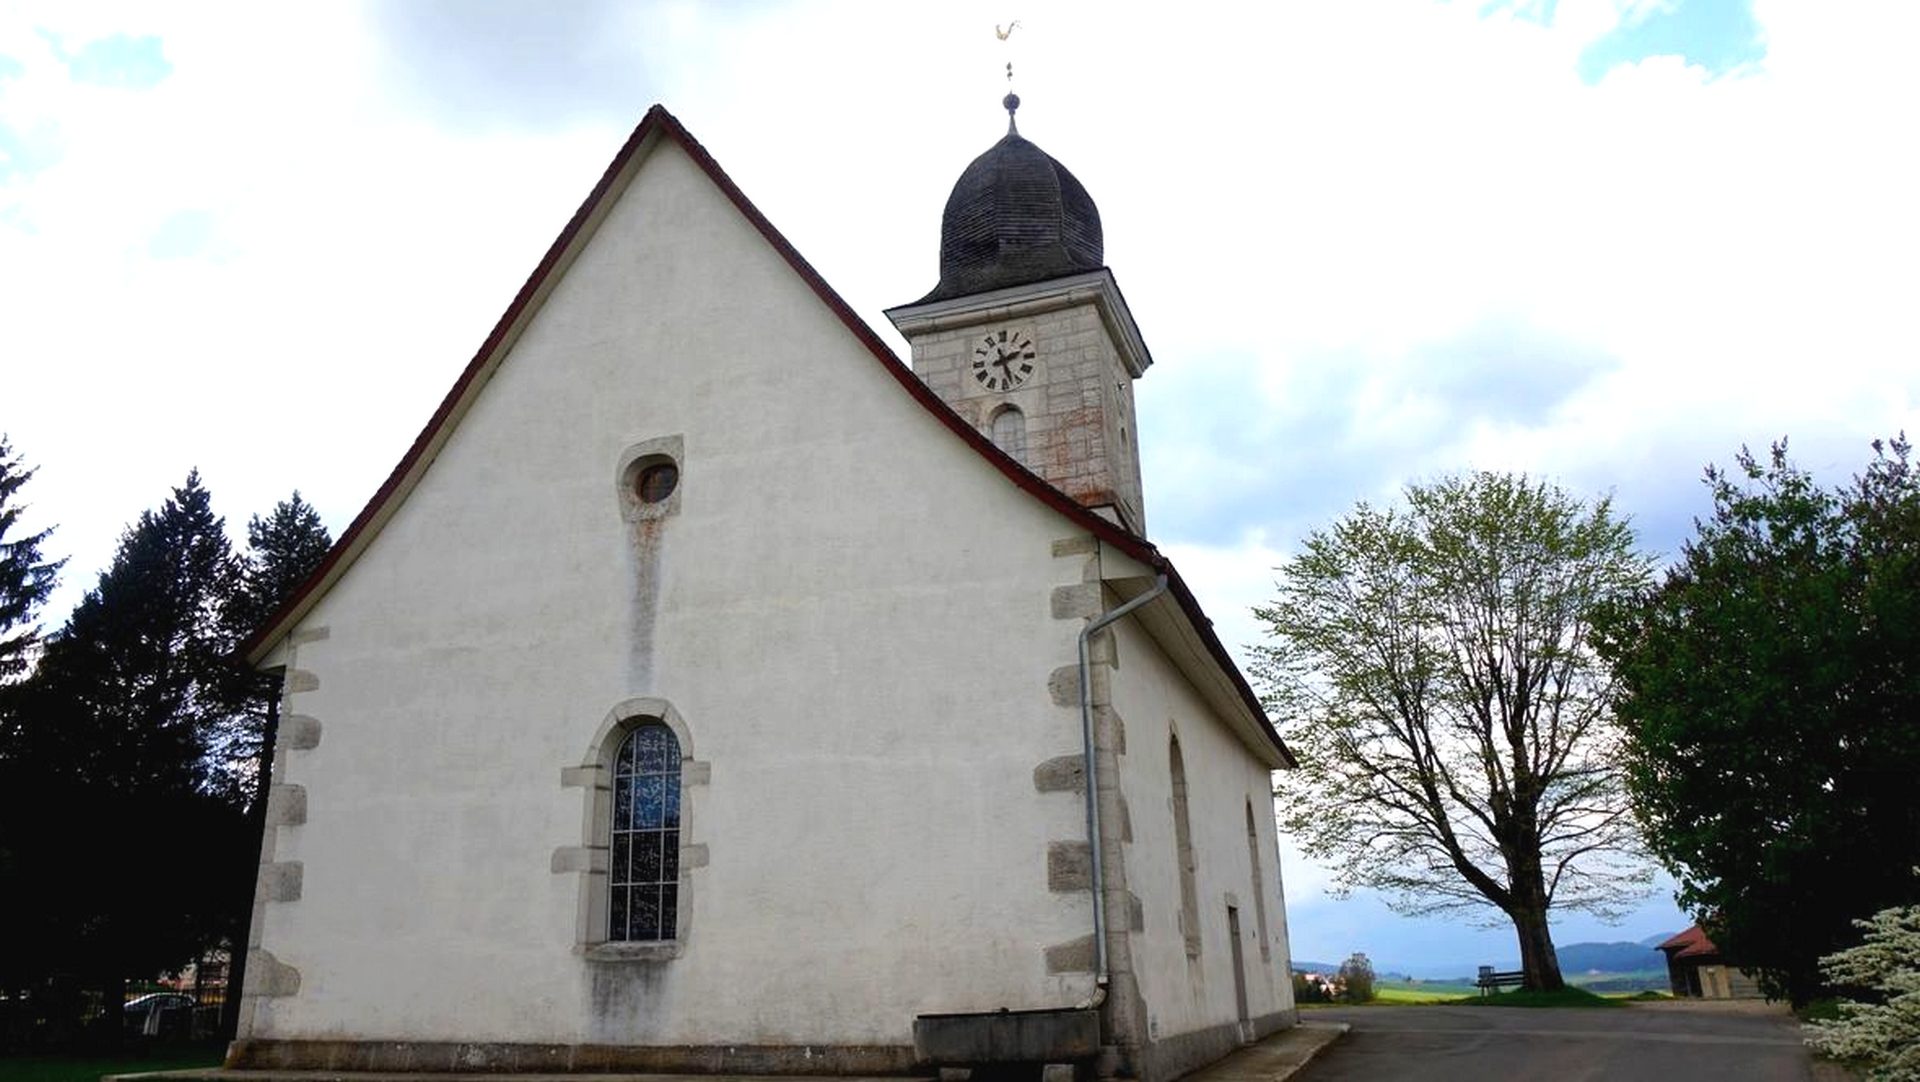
point(854, 620)
point(1186, 992)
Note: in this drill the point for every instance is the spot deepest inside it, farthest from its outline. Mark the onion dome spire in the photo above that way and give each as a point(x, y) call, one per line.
point(1016, 216)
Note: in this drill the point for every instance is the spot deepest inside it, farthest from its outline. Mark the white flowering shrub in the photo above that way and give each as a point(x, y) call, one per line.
point(1884, 1037)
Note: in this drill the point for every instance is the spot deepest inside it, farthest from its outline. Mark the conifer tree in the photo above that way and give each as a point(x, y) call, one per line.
point(282, 550)
point(25, 577)
point(113, 772)
point(135, 692)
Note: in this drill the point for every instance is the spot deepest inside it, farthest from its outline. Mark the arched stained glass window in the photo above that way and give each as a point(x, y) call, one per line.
point(644, 865)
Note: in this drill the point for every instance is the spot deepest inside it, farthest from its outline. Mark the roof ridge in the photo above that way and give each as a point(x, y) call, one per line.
point(659, 119)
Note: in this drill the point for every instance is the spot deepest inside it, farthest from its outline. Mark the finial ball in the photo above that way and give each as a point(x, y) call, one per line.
point(1011, 101)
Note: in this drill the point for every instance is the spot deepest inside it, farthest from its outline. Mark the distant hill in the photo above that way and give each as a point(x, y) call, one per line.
point(1656, 940)
point(1636, 963)
point(1576, 958)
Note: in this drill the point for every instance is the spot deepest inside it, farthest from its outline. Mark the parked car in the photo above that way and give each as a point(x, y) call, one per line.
point(159, 1014)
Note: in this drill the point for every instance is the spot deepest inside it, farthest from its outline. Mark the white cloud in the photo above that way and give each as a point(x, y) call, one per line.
point(1308, 205)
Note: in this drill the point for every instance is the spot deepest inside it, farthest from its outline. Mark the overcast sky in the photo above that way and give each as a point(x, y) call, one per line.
point(1603, 242)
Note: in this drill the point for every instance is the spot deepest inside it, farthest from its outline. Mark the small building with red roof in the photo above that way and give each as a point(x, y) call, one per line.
point(1697, 970)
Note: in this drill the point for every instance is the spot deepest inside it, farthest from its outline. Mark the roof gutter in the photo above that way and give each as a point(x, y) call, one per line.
point(1090, 771)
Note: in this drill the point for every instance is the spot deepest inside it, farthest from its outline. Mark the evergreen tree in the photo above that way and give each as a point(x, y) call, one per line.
point(135, 692)
point(135, 857)
point(282, 550)
point(25, 578)
point(25, 581)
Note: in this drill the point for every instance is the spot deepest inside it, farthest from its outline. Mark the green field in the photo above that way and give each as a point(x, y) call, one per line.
point(1399, 993)
point(1419, 991)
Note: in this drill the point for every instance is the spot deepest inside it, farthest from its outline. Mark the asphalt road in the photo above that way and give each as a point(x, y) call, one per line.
point(1638, 1043)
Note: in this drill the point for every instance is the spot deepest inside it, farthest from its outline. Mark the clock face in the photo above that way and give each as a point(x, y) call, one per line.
point(1003, 359)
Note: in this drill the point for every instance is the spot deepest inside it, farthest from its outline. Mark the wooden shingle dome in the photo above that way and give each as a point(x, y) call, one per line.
point(1015, 216)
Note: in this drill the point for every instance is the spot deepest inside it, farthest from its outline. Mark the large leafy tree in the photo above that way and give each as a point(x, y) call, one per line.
point(1770, 693)
point(26, 577)
point(1431, 665)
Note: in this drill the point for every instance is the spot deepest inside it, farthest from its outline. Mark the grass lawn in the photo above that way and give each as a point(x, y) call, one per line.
point(1565, 997)
point(82, 1067)
point(1411, 993)
point(1400, 992)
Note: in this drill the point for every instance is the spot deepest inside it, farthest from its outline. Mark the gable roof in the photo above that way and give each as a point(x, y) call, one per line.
point(660, 124)
point(1692, 943)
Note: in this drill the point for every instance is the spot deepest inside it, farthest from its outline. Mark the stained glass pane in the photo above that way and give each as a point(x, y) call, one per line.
point(649, 802)
point(644, 855)
point(645, 920)
point(617, 860)
point(646, 858)
point(659, 751)
point(617, 914)
point(623, 804)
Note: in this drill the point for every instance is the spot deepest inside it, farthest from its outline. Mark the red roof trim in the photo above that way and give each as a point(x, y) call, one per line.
point(1691, 943)
point(658, 118)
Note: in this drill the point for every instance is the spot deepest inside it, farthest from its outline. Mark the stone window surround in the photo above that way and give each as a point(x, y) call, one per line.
point(1185, 858)
point(589, 860)
point(1259, 884)
point(661, 450)
point(1007, 429)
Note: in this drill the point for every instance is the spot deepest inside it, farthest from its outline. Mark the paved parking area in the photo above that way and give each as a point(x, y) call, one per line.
point(1655, 1041)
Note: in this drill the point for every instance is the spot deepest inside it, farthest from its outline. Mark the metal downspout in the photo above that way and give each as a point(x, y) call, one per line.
point(1089, 771)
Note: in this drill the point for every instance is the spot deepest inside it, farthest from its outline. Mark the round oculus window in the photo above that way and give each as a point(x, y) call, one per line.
point(657, 482)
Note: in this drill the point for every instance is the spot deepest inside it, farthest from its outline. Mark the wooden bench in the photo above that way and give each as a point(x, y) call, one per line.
point(1490, 981)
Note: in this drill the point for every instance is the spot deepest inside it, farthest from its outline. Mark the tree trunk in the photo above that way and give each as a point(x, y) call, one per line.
point(1537, 958)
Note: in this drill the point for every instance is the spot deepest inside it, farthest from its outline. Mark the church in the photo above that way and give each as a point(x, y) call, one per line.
point(709, 690)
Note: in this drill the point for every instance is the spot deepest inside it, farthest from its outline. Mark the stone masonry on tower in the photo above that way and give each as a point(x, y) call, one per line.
point(1020, 265)
point(655, 716)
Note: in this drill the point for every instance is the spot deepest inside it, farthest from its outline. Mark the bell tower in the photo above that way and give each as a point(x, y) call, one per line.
point(1027, 336)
